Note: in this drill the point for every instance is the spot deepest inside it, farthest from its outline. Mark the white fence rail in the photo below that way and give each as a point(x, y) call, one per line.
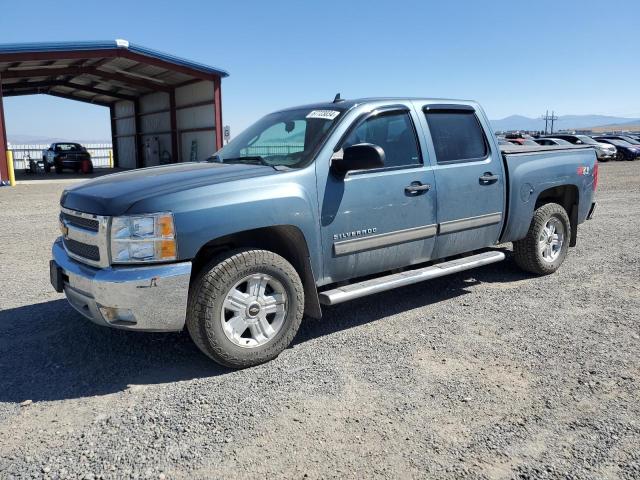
point(22, 153)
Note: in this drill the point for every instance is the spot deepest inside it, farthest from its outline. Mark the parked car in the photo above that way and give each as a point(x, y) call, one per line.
point(66, 155)
point(604, 151)
point(523, 142)
point(549, 141)
point(239, 248)
point(625, 150)
point(626, 138)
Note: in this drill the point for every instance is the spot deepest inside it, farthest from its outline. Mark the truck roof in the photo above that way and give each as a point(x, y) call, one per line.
point(346, 104)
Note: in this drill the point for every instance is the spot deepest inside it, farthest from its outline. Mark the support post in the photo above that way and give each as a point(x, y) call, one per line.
point(173, 126)
point(217, 99)
point(4, 166)
point(139, 145)
point(113, 158)
point(12, 175)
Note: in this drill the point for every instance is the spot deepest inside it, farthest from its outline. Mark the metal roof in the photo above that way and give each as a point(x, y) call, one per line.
point(100, 72)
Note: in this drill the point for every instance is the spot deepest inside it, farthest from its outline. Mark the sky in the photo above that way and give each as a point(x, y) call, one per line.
point(514, 57)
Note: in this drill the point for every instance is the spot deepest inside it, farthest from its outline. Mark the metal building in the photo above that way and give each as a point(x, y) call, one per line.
point(164, 109)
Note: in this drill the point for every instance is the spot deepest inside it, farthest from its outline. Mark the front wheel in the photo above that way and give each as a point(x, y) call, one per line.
point(546, 245)
point(245, 307)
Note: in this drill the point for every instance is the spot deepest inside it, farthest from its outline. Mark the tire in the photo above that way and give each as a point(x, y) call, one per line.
point(228, 330)
point(47, 167)
point(58, 169)
point(535, 253)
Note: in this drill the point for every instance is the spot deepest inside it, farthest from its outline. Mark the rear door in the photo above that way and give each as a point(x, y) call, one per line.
point(469, 178)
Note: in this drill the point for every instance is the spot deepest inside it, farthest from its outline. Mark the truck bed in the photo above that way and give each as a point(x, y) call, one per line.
point(533, 170)
point(515, 149)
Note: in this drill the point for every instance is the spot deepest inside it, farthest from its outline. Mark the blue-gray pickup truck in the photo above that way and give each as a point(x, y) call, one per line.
point(310, 206)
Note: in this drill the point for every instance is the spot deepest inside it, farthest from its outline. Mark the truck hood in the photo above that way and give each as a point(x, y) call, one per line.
point(114, 194)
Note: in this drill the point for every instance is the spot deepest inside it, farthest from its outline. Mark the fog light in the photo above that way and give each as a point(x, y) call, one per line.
point(113, 314)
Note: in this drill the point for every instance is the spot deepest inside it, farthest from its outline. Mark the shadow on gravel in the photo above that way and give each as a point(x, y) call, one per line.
point(377, 307)
point(50, 352)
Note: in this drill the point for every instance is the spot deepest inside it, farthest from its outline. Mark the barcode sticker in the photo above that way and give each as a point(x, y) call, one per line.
point(325, 114)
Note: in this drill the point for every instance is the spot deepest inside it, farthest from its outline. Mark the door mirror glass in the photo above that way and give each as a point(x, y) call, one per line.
point(362, 156)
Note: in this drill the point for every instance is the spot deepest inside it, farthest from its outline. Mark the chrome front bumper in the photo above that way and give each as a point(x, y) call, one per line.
point(150, 298)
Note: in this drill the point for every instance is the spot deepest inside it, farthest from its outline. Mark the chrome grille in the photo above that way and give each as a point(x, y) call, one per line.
point(90, 252)
point(82, 222)
point(86, 237)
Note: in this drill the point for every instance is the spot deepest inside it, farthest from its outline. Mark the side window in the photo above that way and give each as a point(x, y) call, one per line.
point(457, 135)
point(393, 132)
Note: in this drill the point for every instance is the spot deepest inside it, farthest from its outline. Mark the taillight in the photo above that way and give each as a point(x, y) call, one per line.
point(595, 176)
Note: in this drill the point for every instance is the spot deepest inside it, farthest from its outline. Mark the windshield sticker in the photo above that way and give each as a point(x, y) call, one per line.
point(325, 114)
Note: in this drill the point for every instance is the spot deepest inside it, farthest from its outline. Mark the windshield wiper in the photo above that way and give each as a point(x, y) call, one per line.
point(256, 160)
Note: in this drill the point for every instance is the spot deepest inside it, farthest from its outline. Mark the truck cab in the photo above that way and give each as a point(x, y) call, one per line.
point(314, 205)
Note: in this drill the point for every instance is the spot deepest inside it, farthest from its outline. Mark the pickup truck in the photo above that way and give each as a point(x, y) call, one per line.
point(66, 155)
point(314, 205)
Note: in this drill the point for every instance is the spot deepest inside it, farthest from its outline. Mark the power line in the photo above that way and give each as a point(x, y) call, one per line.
point(549, 119)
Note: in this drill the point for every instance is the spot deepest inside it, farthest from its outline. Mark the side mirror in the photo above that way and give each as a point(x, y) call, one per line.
point(363, 156)
point(579, 142)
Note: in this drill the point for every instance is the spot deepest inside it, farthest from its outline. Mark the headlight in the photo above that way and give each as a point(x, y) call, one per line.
point(143, 238)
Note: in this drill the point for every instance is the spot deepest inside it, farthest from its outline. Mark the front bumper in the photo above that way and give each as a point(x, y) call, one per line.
point(605, 155)
point(150, 298)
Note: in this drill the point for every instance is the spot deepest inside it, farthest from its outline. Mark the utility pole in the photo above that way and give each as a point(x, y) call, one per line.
point(549, 119)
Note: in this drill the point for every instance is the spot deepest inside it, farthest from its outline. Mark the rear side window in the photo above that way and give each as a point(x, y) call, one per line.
point(457, 135)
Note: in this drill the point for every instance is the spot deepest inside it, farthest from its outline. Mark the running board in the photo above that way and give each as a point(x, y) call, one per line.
point(408, 277)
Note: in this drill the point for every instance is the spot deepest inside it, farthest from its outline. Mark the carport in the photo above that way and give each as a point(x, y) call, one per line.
point(163, 109)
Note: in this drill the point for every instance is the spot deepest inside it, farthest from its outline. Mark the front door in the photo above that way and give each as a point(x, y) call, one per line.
point(469, 179)
point(378, 220)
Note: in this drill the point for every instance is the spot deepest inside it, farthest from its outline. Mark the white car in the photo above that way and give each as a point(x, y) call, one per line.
point(604, 151)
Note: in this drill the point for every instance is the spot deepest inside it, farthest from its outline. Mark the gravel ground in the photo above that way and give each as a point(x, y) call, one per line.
point(487, 374)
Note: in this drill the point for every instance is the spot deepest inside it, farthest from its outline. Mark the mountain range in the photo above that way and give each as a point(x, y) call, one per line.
point(519, 122)
point(23, 139)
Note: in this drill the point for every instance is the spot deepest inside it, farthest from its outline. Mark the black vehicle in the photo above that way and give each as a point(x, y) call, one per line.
point(626, 150)
point(66, 155)
point(626, 138)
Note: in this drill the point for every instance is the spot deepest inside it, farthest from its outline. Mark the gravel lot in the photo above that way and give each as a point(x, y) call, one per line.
point(487, 374)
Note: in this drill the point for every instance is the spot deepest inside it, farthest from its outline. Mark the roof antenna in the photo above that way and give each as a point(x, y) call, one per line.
point(337, 98)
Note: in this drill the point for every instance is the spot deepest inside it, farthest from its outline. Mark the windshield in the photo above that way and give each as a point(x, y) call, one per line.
point(281, 139)
point(619, 143)
point(68, 147)
point(586, 139)
point(631, 140)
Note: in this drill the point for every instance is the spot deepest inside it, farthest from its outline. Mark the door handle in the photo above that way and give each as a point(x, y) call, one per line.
point(416, 188)
point(487, 178)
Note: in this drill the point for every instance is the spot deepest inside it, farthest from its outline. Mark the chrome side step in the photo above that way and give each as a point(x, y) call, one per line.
point(408, 277)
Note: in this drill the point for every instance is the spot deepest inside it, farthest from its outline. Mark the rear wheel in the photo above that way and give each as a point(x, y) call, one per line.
point(245, 307)
point(546, 245)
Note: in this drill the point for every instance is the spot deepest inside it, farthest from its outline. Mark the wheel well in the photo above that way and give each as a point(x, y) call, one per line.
point(285, 240)
point(567, 196)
